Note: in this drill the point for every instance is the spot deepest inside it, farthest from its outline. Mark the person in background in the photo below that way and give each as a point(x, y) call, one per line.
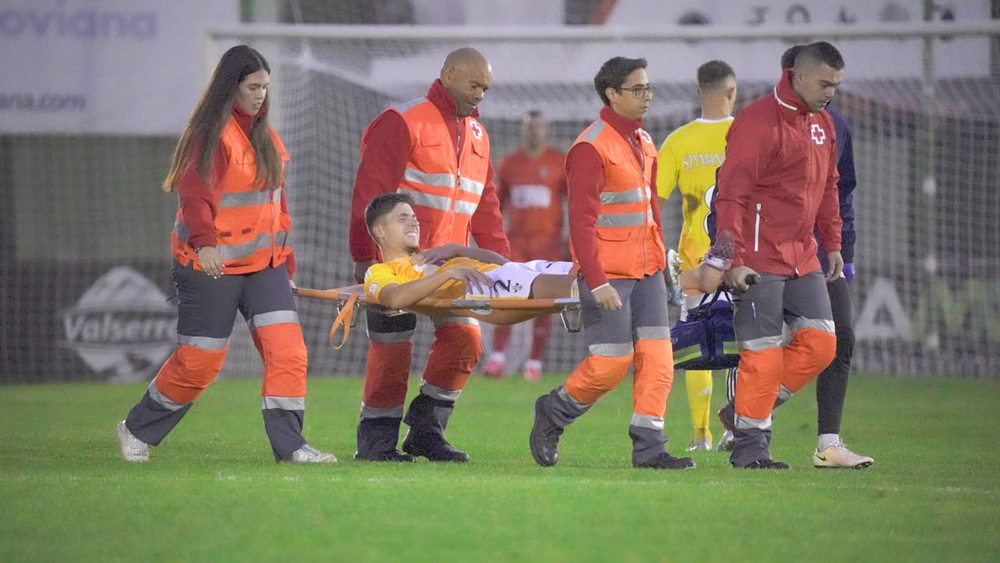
point(688, 160)
point(231, 252)
point(531, 185)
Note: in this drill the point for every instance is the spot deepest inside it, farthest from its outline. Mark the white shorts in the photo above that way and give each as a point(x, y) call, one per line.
point(513, 280)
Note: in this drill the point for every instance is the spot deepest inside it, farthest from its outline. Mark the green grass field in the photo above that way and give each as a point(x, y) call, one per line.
point(212, 491)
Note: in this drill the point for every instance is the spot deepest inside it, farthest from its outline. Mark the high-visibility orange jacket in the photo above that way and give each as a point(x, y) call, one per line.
point(446, 190)
point(424, 149)
point(251, 227)
point(629, 238)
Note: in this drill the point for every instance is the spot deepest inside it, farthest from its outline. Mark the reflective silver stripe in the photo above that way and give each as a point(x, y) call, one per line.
point(471, 186)
point(647, 421)
point(273, 318)
point(235, 251)
point(571, 400)
point(624, 219)
point(784, 393)
point(283, 403)
point(762, 343)
point(163, 400)
point(435, 392)
point(203, 342)
point(440, 180)
point(465, 207)
point(182, 231)
point(637, 195)
point(428, 200)
point(615, 350)
point(381, 412)
point(800, 323)
point(390, 337)
point(407, 106)
point(745, 422)
point(652, 333)
point(438, 321)
point(595, 130)
point(242, 199)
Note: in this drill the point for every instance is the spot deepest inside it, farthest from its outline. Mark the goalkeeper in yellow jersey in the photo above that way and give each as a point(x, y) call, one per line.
point(688, 160)
point(452, 271)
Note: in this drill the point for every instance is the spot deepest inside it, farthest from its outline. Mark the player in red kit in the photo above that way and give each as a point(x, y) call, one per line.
point(531, 185)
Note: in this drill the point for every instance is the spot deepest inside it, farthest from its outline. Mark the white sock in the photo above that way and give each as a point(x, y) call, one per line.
point(498, 357)
point(536, 364)
point(827, 440)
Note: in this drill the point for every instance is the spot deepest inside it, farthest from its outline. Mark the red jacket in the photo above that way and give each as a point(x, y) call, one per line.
point(778, 181)
point(585, 181)
point(385, 151)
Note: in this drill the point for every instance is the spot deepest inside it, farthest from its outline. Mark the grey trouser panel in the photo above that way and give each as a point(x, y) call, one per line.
point(760, 313)
point(206, 311)
point(643, 316)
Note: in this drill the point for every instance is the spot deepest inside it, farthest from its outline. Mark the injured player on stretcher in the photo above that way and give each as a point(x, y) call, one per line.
point(405, 276)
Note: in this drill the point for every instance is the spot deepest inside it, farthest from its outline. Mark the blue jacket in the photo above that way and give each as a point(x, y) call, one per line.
point(845, 187)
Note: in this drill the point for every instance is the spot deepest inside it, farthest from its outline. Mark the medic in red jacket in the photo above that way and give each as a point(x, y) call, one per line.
point(434, 150)
point(778, 182)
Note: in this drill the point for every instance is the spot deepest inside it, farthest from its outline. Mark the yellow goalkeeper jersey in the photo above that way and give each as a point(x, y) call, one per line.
point(402, 270)
point(689, 159)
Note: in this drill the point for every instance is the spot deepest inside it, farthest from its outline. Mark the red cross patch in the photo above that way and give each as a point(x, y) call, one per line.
point(818, 134)
point(477, 131)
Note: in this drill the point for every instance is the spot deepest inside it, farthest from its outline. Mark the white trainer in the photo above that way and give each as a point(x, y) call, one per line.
point(309, 454)
point(838, 455)
point(726, 442)
point(131, 448)
point(702, 445)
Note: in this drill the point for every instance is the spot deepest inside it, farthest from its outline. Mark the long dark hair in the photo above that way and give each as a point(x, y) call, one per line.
point(200, 139)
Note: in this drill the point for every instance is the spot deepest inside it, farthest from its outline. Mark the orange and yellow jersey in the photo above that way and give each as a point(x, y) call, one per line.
point(688, 160)
point(403, 270)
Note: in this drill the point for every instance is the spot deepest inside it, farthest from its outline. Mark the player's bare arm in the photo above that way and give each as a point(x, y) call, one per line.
point(401, 296)
point(445, 252)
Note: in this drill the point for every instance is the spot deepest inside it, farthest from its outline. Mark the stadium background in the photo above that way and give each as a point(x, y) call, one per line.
point(84, 227)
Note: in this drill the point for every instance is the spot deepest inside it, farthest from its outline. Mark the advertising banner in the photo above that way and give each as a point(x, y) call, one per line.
point(119, 67)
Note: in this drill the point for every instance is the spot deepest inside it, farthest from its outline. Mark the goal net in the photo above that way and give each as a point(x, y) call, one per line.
point(924, 112)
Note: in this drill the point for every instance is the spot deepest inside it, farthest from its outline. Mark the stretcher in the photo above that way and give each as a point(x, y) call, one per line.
point(351, 300)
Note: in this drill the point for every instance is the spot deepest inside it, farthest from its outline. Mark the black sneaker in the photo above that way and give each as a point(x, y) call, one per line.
point(727, 416)
point(667, 461)
point(767, 463)
point(544, 439)
point(432, 446)
point(391, 455)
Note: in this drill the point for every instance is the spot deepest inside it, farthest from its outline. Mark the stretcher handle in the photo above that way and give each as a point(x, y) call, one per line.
point(328, 294)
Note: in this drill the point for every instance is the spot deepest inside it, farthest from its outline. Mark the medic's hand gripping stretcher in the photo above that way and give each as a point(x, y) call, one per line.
point(351, 299)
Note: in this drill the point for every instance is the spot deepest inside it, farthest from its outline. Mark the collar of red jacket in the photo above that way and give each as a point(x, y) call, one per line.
point(785, 94)
point(245, 120)
point(442, 98)
point(625, 126)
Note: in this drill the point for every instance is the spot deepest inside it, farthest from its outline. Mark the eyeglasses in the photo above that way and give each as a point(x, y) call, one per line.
point(639, 91)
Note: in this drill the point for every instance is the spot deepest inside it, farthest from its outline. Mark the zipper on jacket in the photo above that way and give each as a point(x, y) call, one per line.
point(756, 230)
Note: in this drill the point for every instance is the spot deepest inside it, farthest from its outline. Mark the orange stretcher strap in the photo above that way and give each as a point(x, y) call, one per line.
point(343, 319)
